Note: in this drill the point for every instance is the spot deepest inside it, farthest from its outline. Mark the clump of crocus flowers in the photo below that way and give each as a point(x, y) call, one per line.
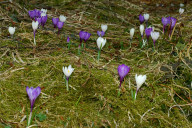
point(59, 22)
point(67, 72)
point(38, 15)
point(33, 93)
point(168, 20)
point(143, 18)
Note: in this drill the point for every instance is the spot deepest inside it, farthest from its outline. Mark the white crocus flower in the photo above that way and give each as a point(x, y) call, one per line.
point(132, 32)
point(35, 25)
point(43, 14)
point(181, 5)
point(141, 29)
point(181, 10)
point(101, 42)
point(68, 71)
point(103, 27)
point(146, 16)
point(11, 30)
point(62, 18)
point(44, 10)
point(154, 35)
point(139, 81)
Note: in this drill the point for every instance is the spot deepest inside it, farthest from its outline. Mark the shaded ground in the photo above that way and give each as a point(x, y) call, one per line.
point(164, 101)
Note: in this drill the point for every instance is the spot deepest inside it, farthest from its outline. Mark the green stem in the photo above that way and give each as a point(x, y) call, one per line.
point(122, 46)
point(119, 92)
point(130, 43)
point(69, 44)
point(29, 119)
point(98, 57)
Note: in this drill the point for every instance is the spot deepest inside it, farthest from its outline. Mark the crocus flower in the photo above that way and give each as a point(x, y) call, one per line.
point(69, 42)
point(103, 27)
point(181, 5)
point(87, 36)
point(141, 29)
point(100, 43)
point(132, 33)
point(44, 10)
point(37, 13)
point(39, 20)
point(154, 36)
point(146, 17)
point(100, 33)
point(148, 32)
point(60, 25)
point(139, 81)
point(31, 14)
point(141, 18)
point(123, 70)
point(33, 93)
point(181, 10)
point(34, 26)
point(62, 18)
point(11, 31)
point(173, 22)
point(82, 36)
point(68, 39)
point(43, 19)
point(67, 72)
point(164, 21)
point(55, 21)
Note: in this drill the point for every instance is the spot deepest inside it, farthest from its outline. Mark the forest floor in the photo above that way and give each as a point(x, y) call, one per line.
point(164, 100)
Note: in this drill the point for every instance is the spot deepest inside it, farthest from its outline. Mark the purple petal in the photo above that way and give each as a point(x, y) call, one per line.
point(123, 70)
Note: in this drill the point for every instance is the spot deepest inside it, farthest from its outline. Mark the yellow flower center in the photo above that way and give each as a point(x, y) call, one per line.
point(68, 71)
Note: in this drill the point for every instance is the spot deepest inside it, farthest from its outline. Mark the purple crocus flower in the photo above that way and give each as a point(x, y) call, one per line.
point(164, 21)
point(169, 20)
point(141, 18)
point(39, 20)
point(123, 70)
point(87, 36)
point(33, 93)
point(60, 25)
point(173, 22)
point(68, 39)
point(37, 13)
point(100, 33)
point(148, 32)
point(43, 20)
point(31, 14)
point(55, 21)
point(82, 36)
